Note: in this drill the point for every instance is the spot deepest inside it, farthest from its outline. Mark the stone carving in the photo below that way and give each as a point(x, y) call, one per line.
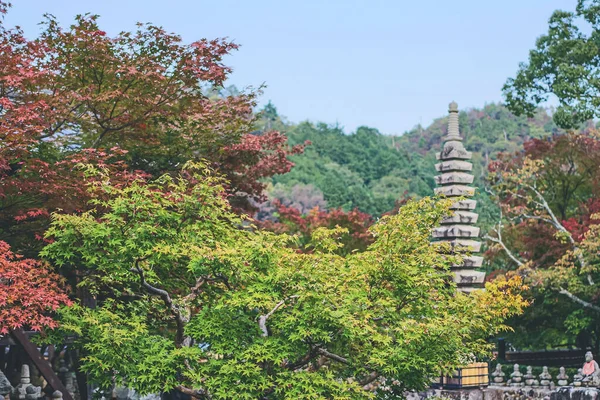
point(454, 150)
point(516, 377)
point(562, 377)
point(57, 395)
point(5, 386)
point(498, 375)
point(62, 370)
point(455, 190)
point(465, 276)
point(461, 245)
point(591, 371)
point(456, 231)
point(464, 205)
point(545, 378)
point(25, 390)
point(529, 378)
point(471, 262)
point(33, 393)
point(457, 246)
point(453, 165)
point(461, 217)
point(70, 385)
point(453, 177)
point(578, 377)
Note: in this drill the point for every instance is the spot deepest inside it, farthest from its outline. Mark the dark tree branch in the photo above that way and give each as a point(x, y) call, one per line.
point(332, 356)
point(262, 320)
point(369, 379)
point(555, 222)
point(578, 300)
point(195, 393)
point(164, 295)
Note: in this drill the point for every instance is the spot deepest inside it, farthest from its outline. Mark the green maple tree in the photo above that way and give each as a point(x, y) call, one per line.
point(191, 297)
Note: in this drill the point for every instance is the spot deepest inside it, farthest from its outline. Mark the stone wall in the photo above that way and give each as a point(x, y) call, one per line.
point(509, 393)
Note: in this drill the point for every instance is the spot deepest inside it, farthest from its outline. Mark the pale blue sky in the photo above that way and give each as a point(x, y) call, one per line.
point(382, 63)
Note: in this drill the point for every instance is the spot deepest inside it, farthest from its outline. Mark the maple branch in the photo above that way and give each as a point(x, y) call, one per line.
point(332, 356)
point(53, 130)
point(301, 362)
point(501, 242)
point(194, 290)
point(201, 281)
point(369, 379)
point(164, 295)
point(195, 393)
point(262, 320)
point(554, 221)
point(506, 250)
point(537, 217)
point(577, 299)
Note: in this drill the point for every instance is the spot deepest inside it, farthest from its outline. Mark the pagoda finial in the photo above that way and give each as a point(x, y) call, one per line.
point(453, 132)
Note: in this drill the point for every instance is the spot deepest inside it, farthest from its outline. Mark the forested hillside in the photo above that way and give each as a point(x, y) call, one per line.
point(370, 171)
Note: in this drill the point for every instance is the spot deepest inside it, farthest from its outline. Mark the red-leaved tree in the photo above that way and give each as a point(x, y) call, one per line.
point(137, 104)
point(290, 220)
point(29, 292)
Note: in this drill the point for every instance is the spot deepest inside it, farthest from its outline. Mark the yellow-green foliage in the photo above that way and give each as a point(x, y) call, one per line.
point(193, 297)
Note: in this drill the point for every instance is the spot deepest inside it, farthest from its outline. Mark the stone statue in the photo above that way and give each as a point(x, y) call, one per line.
point(5, 386)
point(62, 371)
point(70, 384)
point(529, 378)
point(545, 378)
point(591, 371)
point(498, 375)
point(563, 378)
point(32, 393)
point(578, 377)
point(516, 377)
point(25, 390)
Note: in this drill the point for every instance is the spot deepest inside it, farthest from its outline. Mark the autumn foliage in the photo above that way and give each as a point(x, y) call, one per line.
point(28, 292)
point(290, 220)
point(133, 106)
point(139, 104)
point(571, 179)
point(548, 232)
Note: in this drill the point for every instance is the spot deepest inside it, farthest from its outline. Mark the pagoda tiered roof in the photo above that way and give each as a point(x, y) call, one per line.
point(458, 229)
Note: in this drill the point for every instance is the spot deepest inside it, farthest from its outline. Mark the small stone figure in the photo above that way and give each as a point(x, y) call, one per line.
point(591, 371)
point(62, 371)
point(22, 391)
point(516, 377)
point(498, 375)
point(57, 395)
point(529, 378)
point(70, 385)
point(33, 393)
point(578, 377)
point(563, 378)
point(5, 386)
point(545, 378)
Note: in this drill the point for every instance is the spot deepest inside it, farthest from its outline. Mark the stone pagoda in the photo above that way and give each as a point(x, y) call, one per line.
point(459, 230)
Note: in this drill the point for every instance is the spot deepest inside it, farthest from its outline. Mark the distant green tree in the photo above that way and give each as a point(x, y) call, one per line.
point(372, 171)
point(565, 64)
point(270, 120)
